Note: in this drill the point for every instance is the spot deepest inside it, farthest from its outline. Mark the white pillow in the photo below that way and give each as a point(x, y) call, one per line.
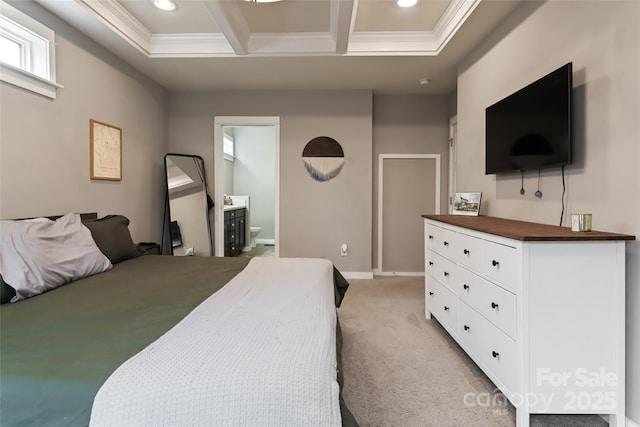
point(40, 254)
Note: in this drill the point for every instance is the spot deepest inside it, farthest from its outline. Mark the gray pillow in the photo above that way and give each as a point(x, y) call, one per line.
point(41, 254)
point(111, 234)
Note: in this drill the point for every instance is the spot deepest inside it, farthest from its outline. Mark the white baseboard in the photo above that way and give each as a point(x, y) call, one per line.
point(376, 272)
point(357, 274)
point(266, 241)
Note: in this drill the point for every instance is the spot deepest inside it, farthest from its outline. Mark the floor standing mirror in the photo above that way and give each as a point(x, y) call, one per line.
point(187, 216)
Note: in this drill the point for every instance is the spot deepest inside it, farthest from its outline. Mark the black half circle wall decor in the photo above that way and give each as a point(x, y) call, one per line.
point(323, 157)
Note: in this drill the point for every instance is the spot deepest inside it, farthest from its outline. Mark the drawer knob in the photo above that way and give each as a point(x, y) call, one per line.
point(430, 236)
point(465, 287)
point(430, 262)
point(430, 293)
point(446, 308)
point(446, 274)
point(495, 354)
point(495, 263)
point(445, 243)
point(466, 328)
point(466, 251)
point(494, 305)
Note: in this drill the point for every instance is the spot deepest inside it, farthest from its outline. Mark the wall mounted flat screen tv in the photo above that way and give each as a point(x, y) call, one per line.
point(532, 128)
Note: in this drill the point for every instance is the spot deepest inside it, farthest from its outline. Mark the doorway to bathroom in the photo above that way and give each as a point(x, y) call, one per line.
point(246, 179)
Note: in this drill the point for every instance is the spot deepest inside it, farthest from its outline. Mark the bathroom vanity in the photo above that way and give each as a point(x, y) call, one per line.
point(234, 229)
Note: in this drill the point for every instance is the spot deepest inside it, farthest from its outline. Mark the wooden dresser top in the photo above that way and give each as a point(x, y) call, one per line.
point(522, 230)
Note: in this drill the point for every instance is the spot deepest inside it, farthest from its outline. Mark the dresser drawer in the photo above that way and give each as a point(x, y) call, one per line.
point(441, 240)
point(496, 304)
point(490, 347)
point(494, 260)
point(443, 304)
point(442, 269)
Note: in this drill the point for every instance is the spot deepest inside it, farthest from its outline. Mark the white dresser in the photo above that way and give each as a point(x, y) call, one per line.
point(540, 309)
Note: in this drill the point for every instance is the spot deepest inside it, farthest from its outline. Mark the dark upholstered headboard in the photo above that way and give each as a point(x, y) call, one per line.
point(83, 216)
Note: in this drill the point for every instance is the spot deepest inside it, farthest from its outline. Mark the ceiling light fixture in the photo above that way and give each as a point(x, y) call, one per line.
point(424, 82)
point(167, 5)
point(407, 3)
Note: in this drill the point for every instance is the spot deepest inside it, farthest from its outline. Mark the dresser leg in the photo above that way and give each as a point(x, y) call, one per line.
point(617, 419)
point(522, 417)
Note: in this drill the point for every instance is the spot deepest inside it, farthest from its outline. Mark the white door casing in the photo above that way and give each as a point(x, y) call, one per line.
point(219, 123)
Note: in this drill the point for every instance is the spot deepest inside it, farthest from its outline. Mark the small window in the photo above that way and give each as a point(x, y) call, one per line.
point(11, 51)
point(228, 148)
point(27, 52)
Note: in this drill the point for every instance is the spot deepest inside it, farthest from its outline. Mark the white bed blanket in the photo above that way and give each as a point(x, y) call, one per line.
point(259, 352)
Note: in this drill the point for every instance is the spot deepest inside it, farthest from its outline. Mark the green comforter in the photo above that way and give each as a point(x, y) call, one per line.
point(58, 348)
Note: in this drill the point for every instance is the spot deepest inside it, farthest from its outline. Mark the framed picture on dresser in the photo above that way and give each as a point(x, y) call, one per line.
point(467, 204)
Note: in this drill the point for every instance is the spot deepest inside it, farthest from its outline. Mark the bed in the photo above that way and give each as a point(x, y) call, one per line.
point(159, 340)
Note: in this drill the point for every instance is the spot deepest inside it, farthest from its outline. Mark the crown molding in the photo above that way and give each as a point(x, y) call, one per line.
point(452, 19)
point(189, 45)
point(116, 17)
point(292, 43)
point(393, 43)
point(236, 39)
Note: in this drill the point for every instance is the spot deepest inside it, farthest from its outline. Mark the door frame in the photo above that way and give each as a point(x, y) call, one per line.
point(381, 159)
point(453, 160)
point(218, 157)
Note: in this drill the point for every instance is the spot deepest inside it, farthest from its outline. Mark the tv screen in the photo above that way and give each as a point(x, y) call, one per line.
point(531, 129)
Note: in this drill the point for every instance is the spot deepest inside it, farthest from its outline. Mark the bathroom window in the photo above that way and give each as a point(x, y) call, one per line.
point(27, 52)
point(229, 148)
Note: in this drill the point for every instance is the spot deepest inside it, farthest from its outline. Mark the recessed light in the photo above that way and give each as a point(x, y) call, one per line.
point(407, 3)
point(424, 82)
point(167, 5)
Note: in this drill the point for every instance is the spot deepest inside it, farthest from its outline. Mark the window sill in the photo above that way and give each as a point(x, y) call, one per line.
point(28, 81)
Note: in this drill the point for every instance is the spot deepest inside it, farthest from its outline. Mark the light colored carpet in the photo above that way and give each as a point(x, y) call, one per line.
point(403, 370)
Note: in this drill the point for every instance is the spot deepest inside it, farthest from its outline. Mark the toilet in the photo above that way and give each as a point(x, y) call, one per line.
point(253, 232)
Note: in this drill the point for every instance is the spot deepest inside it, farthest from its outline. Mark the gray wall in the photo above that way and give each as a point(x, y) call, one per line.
point(254, 175)
point(602, 39)
point(44, 153)
point(315, 217)
point(410, 124)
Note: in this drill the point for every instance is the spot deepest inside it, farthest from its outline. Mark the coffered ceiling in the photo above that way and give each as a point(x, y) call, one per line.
point(291, 44)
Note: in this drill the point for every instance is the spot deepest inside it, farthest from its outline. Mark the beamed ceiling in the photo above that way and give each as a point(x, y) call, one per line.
point(291, 44)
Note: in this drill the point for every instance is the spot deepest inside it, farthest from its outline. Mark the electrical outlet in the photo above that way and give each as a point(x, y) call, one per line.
point(344, 250)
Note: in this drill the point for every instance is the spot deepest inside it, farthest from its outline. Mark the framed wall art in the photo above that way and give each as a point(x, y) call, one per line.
point(467, 204)
point(106, 151)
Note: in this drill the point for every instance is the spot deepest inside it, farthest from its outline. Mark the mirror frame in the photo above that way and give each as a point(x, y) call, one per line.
point(167, 222)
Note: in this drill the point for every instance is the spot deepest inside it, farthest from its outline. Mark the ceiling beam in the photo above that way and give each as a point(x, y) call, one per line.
point(229, 18)
point(116, 17)
point(342, 18)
